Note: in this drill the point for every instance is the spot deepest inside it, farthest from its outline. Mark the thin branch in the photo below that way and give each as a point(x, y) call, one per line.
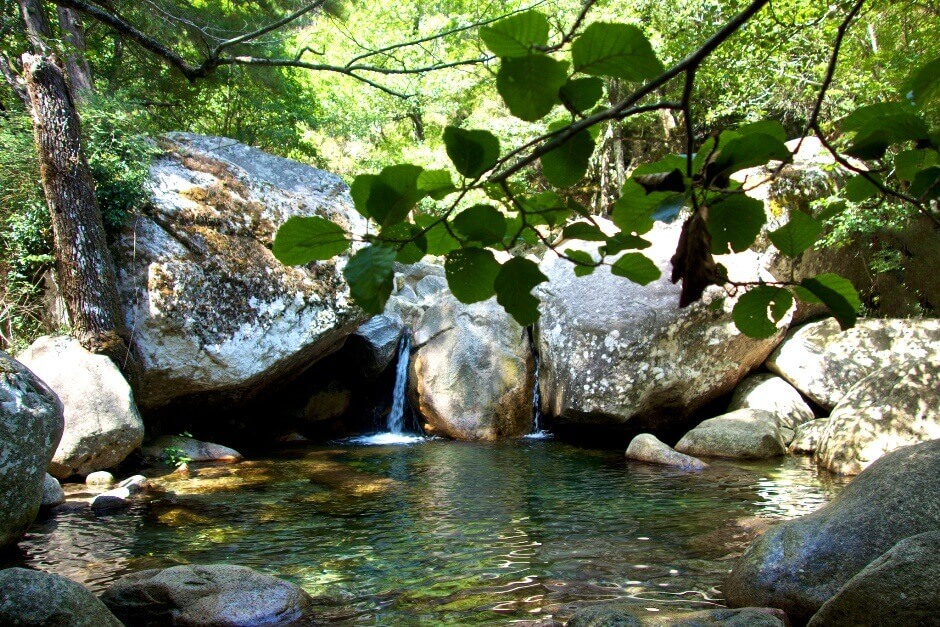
point(264, 30)
point(687, 118)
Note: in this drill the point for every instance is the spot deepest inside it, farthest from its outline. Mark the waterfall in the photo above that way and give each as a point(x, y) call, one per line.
point(537, 399)
point(397, 414)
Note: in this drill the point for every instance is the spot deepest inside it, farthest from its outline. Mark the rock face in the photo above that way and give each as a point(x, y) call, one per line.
point(102, 425)
point(614, 352)
point(213, 311)
point(217, 595)
point(771, 393)
point(899, 588)
point(890, 408)
point(472, 371)
point(380, 336)
point(30, 427)
point(741, 434)
point(806, 439)
point(30, 597)
point(196, 450)
point(647, 448)
point(800, 564)
point(823, 362)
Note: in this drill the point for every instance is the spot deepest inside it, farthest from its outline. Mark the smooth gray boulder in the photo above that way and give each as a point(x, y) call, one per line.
point(617, 353)
point(806, 439)
point(741, 434)
point(472, 371)
point(800, 564)
point(99, 479)
point(37, 599)
point(902, 587)
point(627, 615)
point(102, 424)
point(772, 393)
point(30, 427)
point(214, 313)
point(115, 499)
point(52, 492)
point(167, 447)
point(893, 407)
point(213, 595)
point(648, 448)
point(824, 362)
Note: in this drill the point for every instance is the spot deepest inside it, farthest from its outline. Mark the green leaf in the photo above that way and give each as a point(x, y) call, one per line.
point(514, 284)
point(302, 240)
point(925, 85)
point(545, 208)
point(584, 263)
point(407, 239)
point(838, 294)
point(394, 193)
point(672, 181)
point(517, 35)
point(746, 151)
point(878, 126)
point(481, 223)
point(633, 211)
point(529, 85)
point(436, 183)
point(615, 50)
point(439, 240)
point(471, 152)
point(584, 231)
point(471, 273)
point(798, 234)
point(734, 222)
point(369, 274)
point(666, 164)
point(359, 190)
point(623, 241)
point(909, 163)
point(926, 185)
point(767, 127)
point(581, 94)
point(859, 189)
point(758, 311)
point(637, 267)
point(566, 165)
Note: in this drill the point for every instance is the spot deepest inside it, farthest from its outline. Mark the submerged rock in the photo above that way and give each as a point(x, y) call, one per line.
point(771, 393)
point(648, 448)
point(741, 434)
point(211, 595)
point(902, 587)
point(824, 362)
point(167, 447)
point(37, 599)
point(213, 312)
point(800, 564)
point(890, 408)
point(30, 427)
point(617, 353)
point(102, 424)
point(472, 371)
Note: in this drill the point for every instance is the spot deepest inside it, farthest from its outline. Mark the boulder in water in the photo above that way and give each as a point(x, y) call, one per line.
point(167, 446)
point(741, 434)
point(646, 447)
point(35, 599)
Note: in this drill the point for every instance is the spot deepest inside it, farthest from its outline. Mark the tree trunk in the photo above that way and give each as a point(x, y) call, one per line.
point(83, 262)
point(76, 63)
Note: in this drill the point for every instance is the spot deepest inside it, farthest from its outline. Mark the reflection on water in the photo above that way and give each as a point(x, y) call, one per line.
point(448, 533)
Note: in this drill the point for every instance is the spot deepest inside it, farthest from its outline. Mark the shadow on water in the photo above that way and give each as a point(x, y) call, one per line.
point(448, 533)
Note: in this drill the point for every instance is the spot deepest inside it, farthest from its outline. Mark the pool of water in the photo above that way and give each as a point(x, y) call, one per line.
point(441, 532)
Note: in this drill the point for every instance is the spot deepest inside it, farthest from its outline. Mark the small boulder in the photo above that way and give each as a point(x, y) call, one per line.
point(806, 439)
point(893, 407)
point(741, 434)
point(135, 484)
point(648, 448)
point(380, 335)
point(771, 393)
point(800, 564)
point(52, 492)
point(99, 479)
point(824, 362)
point(166, 447)
point(472, 372)
point(102, 424)
point(902, 587)
point(37, 599)
point(111, 500)
point(30, 428)
point(216, 594)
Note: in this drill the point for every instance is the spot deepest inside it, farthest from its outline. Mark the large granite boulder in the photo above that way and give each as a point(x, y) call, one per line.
point(800, 564)
point(741, 434)
point(771, 393)
point(632, 615)
point(213, 312)
point(893, 407)
point(30, 428)
point(614, 352)
point(102, 424)
point(37, 599)
point(472, 371)
point(213, 595)
point(824, 362)
point(902, 587)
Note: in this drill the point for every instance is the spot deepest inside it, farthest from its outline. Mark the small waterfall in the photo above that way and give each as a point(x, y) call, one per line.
point(536, 433)
point(397, 415)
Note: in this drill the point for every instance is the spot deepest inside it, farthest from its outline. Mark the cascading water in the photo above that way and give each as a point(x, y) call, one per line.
point(537, 433)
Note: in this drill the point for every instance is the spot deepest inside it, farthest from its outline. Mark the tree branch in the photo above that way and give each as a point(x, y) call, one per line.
point(266, 29)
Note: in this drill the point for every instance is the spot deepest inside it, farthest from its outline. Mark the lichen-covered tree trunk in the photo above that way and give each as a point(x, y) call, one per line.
point(83, 262)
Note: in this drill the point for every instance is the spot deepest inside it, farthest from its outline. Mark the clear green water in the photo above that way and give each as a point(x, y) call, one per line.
point(447, 533)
